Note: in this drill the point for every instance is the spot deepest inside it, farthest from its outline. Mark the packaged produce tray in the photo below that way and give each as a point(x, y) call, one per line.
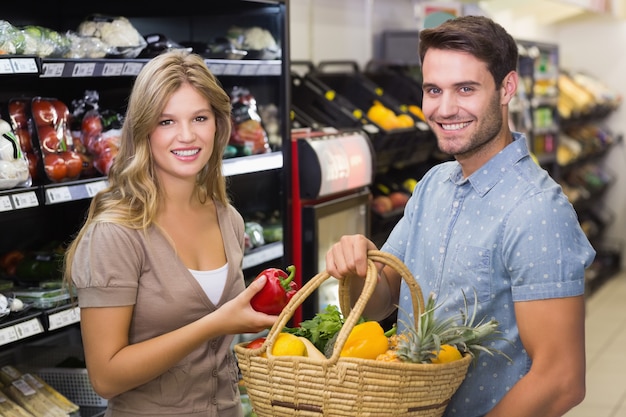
point(43, 297)
point(62, 367)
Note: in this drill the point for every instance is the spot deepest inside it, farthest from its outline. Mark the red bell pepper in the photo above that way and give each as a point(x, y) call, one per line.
point(277, 291)
point(256, 343)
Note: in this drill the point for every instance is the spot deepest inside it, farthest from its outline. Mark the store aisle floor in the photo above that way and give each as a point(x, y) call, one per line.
point(606, 356)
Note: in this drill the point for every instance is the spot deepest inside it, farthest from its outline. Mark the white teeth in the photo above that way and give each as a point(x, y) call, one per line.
point(455, 126)
point(186, 153)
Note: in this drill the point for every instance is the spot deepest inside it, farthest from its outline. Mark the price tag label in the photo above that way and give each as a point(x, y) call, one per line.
point(5, 66)
point(249, 69)
point(24, 65)
point(7, 335)
point(217, 69)
point(5, 203)
point(83, 69)
point(58, 194)
point(25, 200)
point(111, 69)
point(63, 318)
point(28, 328)
point(94, 187)
point(269, 69)
point(132, 68)
point(53, 69)
point(232, 69)
point(370, 128)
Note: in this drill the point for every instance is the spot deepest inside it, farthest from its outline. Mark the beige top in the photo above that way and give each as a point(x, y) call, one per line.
point(116, 266)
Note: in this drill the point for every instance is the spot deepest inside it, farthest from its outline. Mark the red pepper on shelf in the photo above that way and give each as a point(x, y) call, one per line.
point(277, 291)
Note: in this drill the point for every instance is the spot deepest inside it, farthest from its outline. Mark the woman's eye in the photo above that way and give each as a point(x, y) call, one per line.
point(165, 122)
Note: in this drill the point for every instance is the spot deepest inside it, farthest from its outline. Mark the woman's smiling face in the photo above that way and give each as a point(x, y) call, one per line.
point(182, 141)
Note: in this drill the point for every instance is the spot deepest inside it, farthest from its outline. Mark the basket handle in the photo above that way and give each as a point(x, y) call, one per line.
point(285, 315)
point(417, 297)
point(371, 279)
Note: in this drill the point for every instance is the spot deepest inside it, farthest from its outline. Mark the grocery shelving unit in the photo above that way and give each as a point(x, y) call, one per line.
point(49, 211)
point(536, 110)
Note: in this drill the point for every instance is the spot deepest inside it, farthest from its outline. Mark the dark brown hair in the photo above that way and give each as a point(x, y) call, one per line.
point(476, 35)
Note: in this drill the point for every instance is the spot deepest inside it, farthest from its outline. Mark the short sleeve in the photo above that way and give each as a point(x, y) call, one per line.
point(545, 250)
point(107, 266)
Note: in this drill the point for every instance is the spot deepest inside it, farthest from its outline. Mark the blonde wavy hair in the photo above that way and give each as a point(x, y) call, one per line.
point(131, 198)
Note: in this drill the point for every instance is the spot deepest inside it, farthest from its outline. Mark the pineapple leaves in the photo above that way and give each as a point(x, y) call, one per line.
point(421, 344)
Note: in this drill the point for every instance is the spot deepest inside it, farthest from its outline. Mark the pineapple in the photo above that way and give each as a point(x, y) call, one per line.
point(422, 345)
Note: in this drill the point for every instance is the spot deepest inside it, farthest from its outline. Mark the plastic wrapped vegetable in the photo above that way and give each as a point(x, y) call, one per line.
point(248, 134)
point(116, 31)
point(86, 47)
point(44, 42)
point(11, 39)
point(13, 163)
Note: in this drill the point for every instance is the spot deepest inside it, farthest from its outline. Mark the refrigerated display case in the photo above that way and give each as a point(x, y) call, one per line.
point(331, 178)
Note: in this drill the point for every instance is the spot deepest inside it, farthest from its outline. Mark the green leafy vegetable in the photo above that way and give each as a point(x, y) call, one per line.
point(322, 327)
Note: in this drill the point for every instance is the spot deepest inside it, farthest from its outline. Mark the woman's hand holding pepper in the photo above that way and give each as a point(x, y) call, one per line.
point(238, 316)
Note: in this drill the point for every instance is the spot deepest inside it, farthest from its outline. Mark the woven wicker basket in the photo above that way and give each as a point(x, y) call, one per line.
point(288, 386)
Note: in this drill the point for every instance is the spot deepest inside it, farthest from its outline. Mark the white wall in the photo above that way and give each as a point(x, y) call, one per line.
point(350, 29)
point(330, 30)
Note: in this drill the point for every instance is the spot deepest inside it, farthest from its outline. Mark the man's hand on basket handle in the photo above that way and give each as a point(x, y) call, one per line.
point(348, 258)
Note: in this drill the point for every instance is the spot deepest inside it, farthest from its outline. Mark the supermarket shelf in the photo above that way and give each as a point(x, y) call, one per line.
point(22, 198)
point(32, 322)
point(119, 67)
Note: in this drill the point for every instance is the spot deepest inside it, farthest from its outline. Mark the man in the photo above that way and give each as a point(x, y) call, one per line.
point(491, 221)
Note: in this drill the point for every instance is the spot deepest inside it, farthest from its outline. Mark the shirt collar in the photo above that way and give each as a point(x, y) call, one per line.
point(487, 176)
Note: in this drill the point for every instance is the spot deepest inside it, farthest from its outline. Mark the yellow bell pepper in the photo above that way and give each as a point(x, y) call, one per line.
point(366, 340)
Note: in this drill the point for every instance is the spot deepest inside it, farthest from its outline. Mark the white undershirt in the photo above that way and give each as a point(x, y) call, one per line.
point(212, 282)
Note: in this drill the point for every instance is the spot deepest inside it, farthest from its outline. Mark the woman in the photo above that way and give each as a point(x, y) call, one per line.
point(157, 265)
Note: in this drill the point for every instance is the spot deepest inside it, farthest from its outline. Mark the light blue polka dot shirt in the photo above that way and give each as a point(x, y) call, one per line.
point(509, 233)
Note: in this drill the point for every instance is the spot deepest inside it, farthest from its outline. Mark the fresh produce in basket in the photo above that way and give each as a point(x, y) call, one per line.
point(286, 344)
point(277, 291)
point(311, 350)
point(366, 340)
point(441, 340)
point(322, 329)
point(342, 386)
